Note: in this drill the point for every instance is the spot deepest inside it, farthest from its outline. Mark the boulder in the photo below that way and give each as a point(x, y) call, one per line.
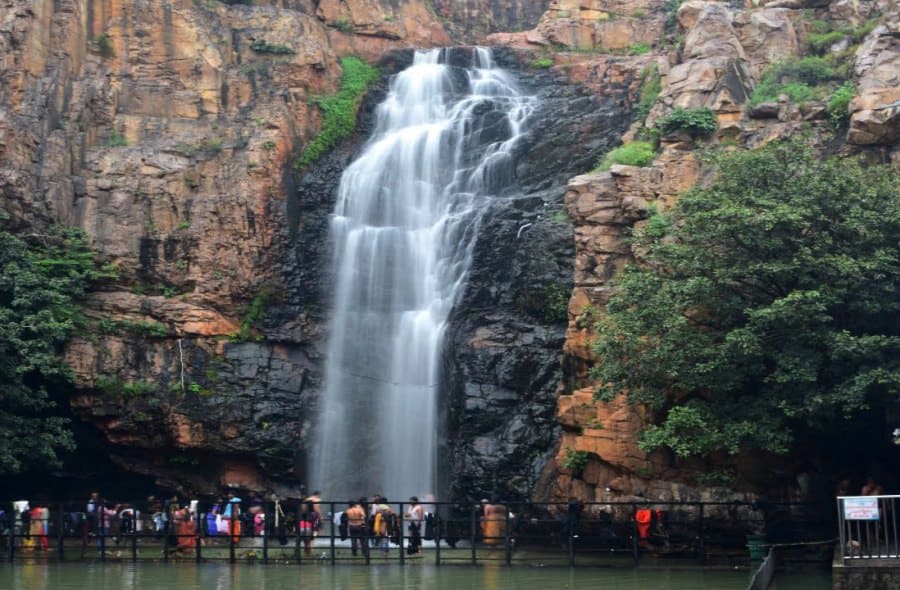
point(875, 110)
point(712, 35)
point(764, 110)
point(767, 36)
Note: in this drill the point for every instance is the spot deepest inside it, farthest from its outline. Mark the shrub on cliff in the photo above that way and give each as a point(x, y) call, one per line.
point(799, 79)
point(695, 122)
point(636, 153)
point(340, 109)
point(42, 277)
point(838, 106)
point(767, 304)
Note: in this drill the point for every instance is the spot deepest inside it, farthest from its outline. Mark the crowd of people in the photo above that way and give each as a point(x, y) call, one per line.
point(367, 523)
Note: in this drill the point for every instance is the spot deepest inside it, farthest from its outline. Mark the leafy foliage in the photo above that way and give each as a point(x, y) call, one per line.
point(575, 460)
point(769, 302)
point(672, 7)
point(651, 86)
point(343, 25)
point(636, 153)
point(41, 280)
point(838, 106)
point(820, 42)
point(142, 329)
point(263, 46)
point(105, 46)
point(549, 303)
point(112, 385)
point(116, 139)
point(695, 122)
point(340, 109)
point(797, 78)
point(639, 48)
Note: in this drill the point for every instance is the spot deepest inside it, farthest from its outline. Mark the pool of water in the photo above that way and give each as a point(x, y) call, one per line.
point(182, 576)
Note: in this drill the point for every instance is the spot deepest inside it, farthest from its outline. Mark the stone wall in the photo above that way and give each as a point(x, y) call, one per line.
point(865, 578)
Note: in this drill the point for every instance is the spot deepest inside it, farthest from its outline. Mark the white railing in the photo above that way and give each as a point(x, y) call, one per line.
point(868, 528)
point(765, 574)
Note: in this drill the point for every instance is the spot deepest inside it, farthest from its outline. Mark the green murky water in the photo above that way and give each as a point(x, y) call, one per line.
point(150, 576)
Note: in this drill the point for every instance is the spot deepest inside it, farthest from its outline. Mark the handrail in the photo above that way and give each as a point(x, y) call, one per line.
point(868, 528)
point(765, 574)
point(568, 533)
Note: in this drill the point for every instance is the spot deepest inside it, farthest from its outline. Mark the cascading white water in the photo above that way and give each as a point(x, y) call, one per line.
point(404, 226)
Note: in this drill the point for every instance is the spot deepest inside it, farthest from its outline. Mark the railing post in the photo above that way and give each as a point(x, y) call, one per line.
point(61, 534)
point(366, 548)
point(200, 521)
point(134, 537)
point(166, 524)
point(893, 513)
point(571, 528)
point(101, 513)
point(437, 537)
point(266, 529)
point(331, 528)
point(841, 532)
point(635, 548)
point(231, 518)
point(11, 547)
point(402, 525)
point(506, 539)
point(473, 535)
point(702, 534)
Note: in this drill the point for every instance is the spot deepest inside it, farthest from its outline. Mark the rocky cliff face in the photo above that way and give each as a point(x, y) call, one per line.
point(723, 55)
point(503, 357)
point(167, 131)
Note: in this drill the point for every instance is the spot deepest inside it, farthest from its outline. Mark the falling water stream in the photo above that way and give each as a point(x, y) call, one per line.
point(403, 231)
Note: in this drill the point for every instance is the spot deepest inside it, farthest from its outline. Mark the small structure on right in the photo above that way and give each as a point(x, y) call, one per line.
point(868, 554)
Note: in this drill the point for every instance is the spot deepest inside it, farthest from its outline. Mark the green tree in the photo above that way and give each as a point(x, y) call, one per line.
point(42, 277)
point(765, 303)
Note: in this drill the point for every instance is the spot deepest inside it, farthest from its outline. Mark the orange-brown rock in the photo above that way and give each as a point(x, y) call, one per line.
point(766, 36)
point(369, 28)
point(469, 21)
point(713, 72)
point(875, 110)
point(602, 207)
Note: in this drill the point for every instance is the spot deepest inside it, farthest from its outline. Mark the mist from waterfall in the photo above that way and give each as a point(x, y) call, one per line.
point(403, 231)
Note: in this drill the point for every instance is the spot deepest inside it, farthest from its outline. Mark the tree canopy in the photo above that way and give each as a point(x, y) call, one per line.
point(42, 277)
point(763, 303)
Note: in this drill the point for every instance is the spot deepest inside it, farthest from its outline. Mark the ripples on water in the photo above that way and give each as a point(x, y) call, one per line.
point(111, 576)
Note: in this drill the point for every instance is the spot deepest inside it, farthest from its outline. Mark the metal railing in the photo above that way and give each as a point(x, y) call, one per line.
point(868, 528)
point(765, 574)
point(614, 533)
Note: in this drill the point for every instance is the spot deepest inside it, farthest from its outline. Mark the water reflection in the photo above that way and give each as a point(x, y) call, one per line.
point(144, 576)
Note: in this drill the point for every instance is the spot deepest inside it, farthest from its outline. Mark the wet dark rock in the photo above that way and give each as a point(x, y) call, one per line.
point(504, 342)
point(255, 402)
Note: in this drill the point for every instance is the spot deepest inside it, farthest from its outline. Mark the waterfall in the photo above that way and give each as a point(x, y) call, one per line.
point(403, 231)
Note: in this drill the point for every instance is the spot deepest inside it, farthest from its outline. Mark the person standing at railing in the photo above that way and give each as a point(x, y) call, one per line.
point(415, 514)
point(308, 525)
point(871, 488)
point(356, 523)
point(573, 518)
point(877, 529)
point(105, 514)
point(232, 515)
point(493, 523)
point(37, 531)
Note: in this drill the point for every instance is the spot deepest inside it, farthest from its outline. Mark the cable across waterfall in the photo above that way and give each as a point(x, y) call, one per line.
point(404, 227)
